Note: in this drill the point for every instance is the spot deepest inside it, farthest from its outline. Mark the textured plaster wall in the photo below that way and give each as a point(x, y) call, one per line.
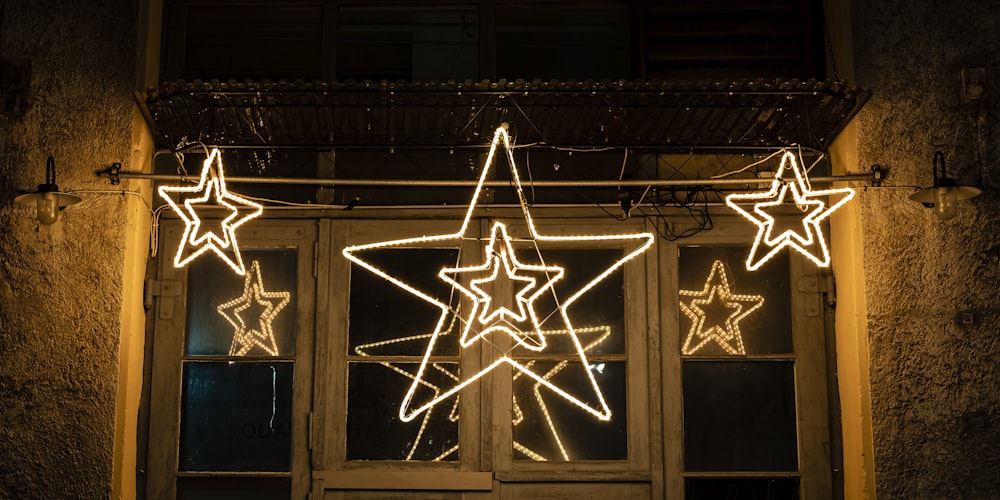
point(61, 285)
point(935, 384)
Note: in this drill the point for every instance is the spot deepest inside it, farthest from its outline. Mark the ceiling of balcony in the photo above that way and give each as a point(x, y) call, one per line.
point(657, 116)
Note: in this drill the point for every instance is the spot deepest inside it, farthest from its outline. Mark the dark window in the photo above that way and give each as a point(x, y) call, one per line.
point(209, 331)
point(388, 334)
point(251, 41)
point(411, 42)
point(507, 39)
point(750, 488)
point(734, 39)
point(205, 488)
point(739, 416)
point(563, 41)
point(236, 416)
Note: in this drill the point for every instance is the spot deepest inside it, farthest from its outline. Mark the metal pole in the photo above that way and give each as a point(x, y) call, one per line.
point(872, 178)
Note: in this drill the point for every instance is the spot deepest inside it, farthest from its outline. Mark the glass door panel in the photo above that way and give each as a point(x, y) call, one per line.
point(389, 333)
point(752, 385)
point(229, 387)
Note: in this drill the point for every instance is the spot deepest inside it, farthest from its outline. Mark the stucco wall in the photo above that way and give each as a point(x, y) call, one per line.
point(61, 285)
point(935, 383)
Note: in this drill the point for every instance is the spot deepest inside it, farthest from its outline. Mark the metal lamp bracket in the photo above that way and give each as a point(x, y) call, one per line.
point(115, 173)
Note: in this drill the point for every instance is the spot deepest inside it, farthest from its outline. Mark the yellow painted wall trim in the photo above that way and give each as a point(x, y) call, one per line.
point(854, 382)
point(847, 253)
point(138, 223)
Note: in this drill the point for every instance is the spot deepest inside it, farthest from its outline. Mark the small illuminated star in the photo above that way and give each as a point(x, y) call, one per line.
point(807, 239)
point(268, 303)
point(773, 210)
point(211, 191)
point(494, 314)
point(704, 311)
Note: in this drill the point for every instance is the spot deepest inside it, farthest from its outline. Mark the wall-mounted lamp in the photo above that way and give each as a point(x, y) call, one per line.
point(48, 200)
point(945, 194)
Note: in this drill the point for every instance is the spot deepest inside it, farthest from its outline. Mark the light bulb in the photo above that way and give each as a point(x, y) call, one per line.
point(945, 202)
point(47, 206)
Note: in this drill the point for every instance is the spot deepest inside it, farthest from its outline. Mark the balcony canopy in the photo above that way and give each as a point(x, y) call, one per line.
point(658, 116)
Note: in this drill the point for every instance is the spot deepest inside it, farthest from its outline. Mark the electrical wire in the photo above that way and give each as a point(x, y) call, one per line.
point(154, 213)
point(475, 115)
point(526, 117)
point(154, 234)
point(701, 216)
point(531, 180)
point(121, 192)
point(294, 203)
point(748, 167)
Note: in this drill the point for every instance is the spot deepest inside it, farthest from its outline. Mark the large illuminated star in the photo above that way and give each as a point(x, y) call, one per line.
point(790, 188)
point(636, 244)
point(210, 192)
point(707, 323)
point(246, 337)
point(494, 315)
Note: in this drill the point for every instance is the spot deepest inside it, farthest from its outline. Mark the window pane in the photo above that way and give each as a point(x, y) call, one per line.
point(727, 310)
point(739, 416)
point(387, 320)
point(549, 427)
point(734, 39)
point(600, 308)
point(751, 488)
point(374, 430)
point(252, 315)
point(236, 416)
point(231, 488)
point(255, 42)
point(562, 40)
point(412, 43)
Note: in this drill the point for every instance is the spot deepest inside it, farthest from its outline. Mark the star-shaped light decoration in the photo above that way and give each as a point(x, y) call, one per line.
point(209, 192)
point(246, 336)
point(594, 335)
point(495, 315)
point(524, 297)
point(703, 310)
point(790, 192)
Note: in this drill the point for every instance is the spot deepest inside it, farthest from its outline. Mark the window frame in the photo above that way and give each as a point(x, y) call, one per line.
point(479, 438)
point(168, 344)
point(809, 355)
point(333, 359)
